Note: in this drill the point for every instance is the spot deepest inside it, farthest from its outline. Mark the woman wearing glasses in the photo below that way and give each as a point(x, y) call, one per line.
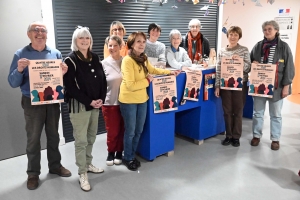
point(136, 70)
point(114, 123)
point(195, 43)
point(117, 28)
point(85, 91)
point(272, 50)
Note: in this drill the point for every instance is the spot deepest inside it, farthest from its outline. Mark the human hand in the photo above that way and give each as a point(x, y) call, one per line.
point(285, 91)
point(150, 77)
point(235, 56)
point(22, 64)
point(255, 62)
point(96, 103)
point(217, 92)
point(175, 72)
point(64, 67)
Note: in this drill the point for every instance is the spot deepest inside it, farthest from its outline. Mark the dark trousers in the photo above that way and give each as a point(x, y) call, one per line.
point(36, 117)
point(114, 125)
point(233, 103)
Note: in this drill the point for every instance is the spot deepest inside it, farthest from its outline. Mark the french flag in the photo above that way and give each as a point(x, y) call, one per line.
point(284, 11)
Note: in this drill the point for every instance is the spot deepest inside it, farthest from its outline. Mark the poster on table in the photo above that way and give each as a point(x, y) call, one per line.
point(192, 84)
point(164, 94)
point(232, 74)
point(46, 82)
point(261, 80)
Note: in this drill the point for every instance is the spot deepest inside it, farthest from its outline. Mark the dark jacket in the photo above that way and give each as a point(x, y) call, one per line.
point(84, 82)
point(286, 69)
point(205, 44)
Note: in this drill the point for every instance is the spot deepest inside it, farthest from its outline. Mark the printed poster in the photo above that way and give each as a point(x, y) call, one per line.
point(192, 84)
point(164, 94)
point(46, 82)
point(232, 74)
point(261, 80)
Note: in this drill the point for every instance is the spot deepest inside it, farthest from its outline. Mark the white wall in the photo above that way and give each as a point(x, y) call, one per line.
point(15, 16)
point(251, 17)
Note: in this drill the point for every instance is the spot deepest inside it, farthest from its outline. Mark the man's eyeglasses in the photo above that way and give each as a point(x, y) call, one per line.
point(37, 30)
point(80, 27)
point(194, 27)
point(117, 29)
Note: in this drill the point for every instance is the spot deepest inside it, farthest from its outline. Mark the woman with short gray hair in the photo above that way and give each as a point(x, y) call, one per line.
point(196, 45)
point(272, 50)
point(177, 57)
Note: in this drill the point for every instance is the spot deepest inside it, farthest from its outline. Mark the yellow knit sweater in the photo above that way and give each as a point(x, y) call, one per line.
point(134, 83)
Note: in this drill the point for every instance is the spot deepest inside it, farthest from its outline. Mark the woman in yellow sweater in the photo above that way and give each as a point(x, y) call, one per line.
point(136, 70)
point(117, 28)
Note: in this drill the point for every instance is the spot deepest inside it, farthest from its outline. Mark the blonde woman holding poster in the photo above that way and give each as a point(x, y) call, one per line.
point(233, 100)
point(272, 50)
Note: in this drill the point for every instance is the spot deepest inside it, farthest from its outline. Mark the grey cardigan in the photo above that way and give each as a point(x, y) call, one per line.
point(286, 68)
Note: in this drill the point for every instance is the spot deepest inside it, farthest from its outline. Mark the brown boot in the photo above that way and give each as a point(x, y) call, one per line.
point(275, 145)
point(61, 171)
point(255, 141)
point(32, 182)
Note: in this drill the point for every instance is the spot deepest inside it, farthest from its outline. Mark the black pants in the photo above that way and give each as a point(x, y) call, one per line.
point(233, 103)
point(36, 117)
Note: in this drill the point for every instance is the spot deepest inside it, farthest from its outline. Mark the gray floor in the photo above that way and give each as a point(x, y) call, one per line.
point(207, 172)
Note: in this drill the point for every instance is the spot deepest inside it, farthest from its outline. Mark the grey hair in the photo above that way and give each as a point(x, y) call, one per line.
point(35, 22)
point(81, 32)
point(271, 23)
point(195, 21)
point(174, 32)
point(115, 38)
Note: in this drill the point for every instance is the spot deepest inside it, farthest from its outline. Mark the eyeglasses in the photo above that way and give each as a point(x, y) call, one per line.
point(80, 27)
point(194, 27)
point(117, 29)
point(268, 29)
point(37, 30)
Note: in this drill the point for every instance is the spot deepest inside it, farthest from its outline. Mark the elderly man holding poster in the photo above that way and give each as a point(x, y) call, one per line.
point(272, 50)
point(233, 100)
point(37, 116)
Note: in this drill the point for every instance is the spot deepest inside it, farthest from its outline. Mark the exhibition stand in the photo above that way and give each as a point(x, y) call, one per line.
point(197, 120)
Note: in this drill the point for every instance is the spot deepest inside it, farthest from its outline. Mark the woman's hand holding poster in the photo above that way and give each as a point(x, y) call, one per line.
point(164, 94)
point(261, 80)
point(232, 73)
point(46, 82)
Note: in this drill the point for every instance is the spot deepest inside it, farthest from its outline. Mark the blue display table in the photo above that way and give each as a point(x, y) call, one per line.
point(195, 119)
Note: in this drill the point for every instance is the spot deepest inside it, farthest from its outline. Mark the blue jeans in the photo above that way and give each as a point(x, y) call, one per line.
point(134, 116)
point(259, 105)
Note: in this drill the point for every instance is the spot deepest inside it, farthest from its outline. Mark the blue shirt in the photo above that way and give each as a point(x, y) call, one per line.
point(174, 50)
point(17, 79)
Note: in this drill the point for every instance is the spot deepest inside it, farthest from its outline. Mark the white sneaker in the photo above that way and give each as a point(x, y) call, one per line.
point(117, 161)
point(84, 182)
point(93, 169)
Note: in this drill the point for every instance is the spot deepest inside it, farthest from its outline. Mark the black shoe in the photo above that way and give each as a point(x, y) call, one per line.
point(137, 162)
point(227, 141)
point(235, 142)
point(130, 164)
point(110, 159)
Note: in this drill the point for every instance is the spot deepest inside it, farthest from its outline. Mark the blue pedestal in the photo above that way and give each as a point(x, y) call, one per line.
point(195, 119)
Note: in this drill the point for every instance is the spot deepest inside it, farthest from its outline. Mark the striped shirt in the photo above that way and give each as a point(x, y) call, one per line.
point(271, 55)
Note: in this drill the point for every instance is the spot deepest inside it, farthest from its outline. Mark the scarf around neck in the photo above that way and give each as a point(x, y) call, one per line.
point(198, 47)
point(81, 56)
point(140, 60)
point(266, 48)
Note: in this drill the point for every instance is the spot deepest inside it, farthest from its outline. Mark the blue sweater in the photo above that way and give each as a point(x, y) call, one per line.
point(17, 79)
